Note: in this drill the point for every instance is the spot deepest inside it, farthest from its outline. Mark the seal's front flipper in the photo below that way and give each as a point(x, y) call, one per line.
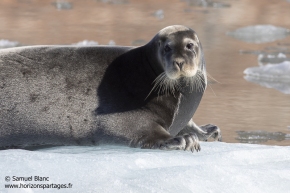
point(187, 142)
point(212, 131)
point(203, 132)
point(159, 138)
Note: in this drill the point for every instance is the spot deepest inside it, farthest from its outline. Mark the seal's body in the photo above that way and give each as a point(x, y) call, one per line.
point(68, 95)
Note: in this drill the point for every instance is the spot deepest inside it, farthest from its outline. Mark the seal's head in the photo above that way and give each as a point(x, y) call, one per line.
point(178, 60)
point(179, 51)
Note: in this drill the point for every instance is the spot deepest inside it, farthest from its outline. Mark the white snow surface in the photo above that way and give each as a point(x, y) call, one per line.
point(219, 167)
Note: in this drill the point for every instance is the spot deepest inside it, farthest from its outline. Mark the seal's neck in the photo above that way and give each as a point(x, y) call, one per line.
point(151, 54)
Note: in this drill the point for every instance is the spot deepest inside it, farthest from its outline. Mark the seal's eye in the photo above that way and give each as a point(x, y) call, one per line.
point(167, 48)
point(189, 46)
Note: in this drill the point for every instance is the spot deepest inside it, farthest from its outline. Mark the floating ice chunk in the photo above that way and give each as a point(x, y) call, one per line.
point(8, 44)
point(159, 14)
point(112, 43)
point(86, 43)
point(272, 58)
point(207, 3)
point(261, 136)
point(281, 55)
point(271, 71)
point(62, 5)
point(275, 76)
point(204, 11)
point(114, 1)
point(255, 52)
point(283, 87)
point(260, 33)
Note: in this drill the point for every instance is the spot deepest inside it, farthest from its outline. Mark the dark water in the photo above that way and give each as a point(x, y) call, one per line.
point(245, 111)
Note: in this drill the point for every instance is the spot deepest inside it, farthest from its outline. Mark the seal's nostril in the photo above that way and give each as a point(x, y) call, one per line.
point(179, 63)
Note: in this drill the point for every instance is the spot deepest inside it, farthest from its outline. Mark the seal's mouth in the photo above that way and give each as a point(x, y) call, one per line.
point(164, 85)
point(176, 71)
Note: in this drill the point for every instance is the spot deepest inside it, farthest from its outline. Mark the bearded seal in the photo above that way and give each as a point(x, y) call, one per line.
point(138, 96)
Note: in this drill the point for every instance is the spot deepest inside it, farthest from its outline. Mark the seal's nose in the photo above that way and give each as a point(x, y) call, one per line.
point(179, 63)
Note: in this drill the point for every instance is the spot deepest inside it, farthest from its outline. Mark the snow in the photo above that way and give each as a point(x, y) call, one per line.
point(260, 33)
point(219, 167)
point(275, 76)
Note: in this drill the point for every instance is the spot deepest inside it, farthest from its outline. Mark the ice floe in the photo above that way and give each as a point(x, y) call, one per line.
point(114, 1)
point(219, 167)
point(261, 136)
point(207, 3)
point(112, 43)
point(279, 72)
point(260, 33)
point(86, 43)
point(159, 14)
point(8, 44)
point(272, 58)
point(275, 76)
point(63, 5)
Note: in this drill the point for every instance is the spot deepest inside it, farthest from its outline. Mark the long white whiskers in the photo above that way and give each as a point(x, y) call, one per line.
point(165, 85)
